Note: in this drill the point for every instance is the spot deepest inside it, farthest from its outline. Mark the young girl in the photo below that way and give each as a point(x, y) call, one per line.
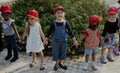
point(60, 27)
point(91, 36)
point(34, 42)
point(110, 29)
point(10, 32)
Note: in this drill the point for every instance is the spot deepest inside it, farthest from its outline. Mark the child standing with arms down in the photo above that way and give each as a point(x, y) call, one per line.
point(10, 32)
point(110, 30)
point(60, 27)
point(91, 36)
point(34, 42)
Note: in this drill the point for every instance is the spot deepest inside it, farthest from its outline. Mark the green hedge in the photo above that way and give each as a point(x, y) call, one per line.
point(77, 13)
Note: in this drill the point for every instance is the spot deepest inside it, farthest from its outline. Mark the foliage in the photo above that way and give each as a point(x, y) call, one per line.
point(77, 13)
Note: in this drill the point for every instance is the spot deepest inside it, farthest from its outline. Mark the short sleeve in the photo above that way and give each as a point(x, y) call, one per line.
point(86, 34)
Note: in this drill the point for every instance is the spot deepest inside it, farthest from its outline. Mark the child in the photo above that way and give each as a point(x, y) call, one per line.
point(91, 36)
point(34, 42)
point(60, 27)
point(110, 29)
point(10, 32)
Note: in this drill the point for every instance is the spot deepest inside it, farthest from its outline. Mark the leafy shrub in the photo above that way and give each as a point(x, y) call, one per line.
point(77, 13)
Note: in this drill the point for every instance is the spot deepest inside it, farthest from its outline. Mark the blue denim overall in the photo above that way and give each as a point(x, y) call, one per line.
point(59, 42)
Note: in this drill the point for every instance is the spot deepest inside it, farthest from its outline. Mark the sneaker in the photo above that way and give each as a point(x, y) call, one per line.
point(110, 58)
point(86, 66)
point(14, 59)
point(103, 59)
point(56, 67)
point(7, 57)
point(94, 65)
point(63, 66)
point(116, 51)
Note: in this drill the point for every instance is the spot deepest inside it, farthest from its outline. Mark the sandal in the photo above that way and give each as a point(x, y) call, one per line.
point(42, 67)
point(32, 64)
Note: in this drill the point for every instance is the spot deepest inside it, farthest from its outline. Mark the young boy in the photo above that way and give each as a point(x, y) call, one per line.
point(92, 39)
point(60, 27)
point(110, 29)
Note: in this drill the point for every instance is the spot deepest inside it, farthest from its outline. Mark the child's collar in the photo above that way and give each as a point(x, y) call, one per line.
point(60, 21)
point(112, 20)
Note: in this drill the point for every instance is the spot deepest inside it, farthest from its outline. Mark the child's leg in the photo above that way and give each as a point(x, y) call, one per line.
point(86, 58)
point(103, 57)
point(87, 54)
point(1, 43)
point(110, 55)
point(33, 56)
point(94, 58)
point(103, 51)
point(63, 52)
point(56, 53)
point(9, 48)
point(14, 47)
point(41, 57)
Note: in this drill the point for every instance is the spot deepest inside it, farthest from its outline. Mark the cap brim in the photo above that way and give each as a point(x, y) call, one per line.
point(112, 12)
point(31, 16)
point(59, 9)
point(6, 11)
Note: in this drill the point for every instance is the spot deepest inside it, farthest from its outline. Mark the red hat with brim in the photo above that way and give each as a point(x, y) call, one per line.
point(95, 19)
point(112, 10)
point(58, 8)
point(5, 8)
point(33, 14)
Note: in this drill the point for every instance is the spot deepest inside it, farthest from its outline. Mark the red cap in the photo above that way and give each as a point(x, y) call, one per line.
point(33, 14)
point(112, 10)
point(5, 8)
point(95, 19)
point(58, 8)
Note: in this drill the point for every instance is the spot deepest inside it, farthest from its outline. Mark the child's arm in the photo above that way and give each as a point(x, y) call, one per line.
point(26, 32)
point(43, 36)
point(15, 29)
point(81, 38)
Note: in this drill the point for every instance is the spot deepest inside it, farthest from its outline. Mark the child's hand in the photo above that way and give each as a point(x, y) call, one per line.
point(75, 43)
point(45, 41)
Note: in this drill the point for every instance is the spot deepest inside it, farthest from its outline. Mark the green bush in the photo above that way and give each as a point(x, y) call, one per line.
point(77, 13)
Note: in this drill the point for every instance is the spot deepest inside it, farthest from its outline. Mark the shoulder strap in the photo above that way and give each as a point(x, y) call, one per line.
point(54, 22)
point(64, 22)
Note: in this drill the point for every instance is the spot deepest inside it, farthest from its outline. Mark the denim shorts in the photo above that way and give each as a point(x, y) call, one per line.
point(89, 52)
point(111, 42)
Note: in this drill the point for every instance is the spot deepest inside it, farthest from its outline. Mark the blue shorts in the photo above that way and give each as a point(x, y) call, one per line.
point(89, 52)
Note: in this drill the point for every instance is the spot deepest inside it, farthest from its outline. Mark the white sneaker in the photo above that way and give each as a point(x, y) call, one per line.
point(103, 59)
point(94, 65)
point(111, 58)
point(86, 66)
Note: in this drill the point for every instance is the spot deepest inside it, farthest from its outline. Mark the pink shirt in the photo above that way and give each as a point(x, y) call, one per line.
point(92, 39)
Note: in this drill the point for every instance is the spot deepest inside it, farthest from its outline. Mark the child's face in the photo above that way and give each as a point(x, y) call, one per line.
point(93, 27)
point(6, 15)
point(112, 16)
point(31, 20)
point(60, 15)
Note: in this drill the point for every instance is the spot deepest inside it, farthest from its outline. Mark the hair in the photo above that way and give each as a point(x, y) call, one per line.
point(28, 27)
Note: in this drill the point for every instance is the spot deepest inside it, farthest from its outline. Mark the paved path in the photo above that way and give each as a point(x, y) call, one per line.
point(74, 65)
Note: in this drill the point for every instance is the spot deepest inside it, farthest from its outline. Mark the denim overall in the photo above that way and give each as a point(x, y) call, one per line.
point(59, 42)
